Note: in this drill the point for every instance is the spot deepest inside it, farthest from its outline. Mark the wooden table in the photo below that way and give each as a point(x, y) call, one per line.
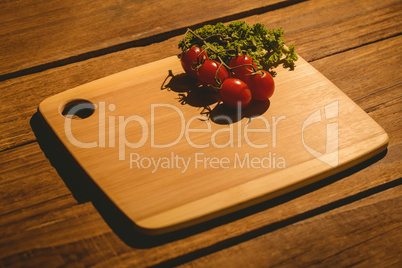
point(50, 216)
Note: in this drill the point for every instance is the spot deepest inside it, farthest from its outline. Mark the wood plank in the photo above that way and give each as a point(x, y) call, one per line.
point(37, 35)
point(21, 96)
point(57, 229)
point(41, 179)
point(365, 233)
point(64, 39)
point(31, 230)
point(343, 26)
point(360, 86)
point(108, 247)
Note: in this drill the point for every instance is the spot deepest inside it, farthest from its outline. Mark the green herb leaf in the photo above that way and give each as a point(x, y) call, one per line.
point(266, 47)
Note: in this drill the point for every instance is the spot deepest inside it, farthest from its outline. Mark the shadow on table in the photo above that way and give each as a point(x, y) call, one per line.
point(208, 101)
point(85, 190)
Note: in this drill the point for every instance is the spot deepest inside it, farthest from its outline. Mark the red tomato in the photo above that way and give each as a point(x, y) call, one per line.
point(235, 92)
point(243, 72)
point(209, 75)
point(191, 59)
point(261, 85)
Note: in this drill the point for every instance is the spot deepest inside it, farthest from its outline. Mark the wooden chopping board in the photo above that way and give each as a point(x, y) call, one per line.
point(169, 156)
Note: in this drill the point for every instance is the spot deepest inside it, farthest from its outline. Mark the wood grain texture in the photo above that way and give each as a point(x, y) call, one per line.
point(41, 34)
point(371, 176)
point(36, 87)
point(337, 238)
point(40, 226)
point(170, 178)
point(59, 227)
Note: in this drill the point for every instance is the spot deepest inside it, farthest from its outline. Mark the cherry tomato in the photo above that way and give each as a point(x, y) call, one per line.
point(194, 57)
point(243, 72)
point(209, 75)
point(261, 85)
point(235, 92)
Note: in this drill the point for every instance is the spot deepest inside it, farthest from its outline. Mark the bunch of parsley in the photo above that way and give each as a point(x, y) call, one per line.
point(266, 47)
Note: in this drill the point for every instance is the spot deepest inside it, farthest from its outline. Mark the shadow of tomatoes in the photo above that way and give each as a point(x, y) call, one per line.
point(189, 92)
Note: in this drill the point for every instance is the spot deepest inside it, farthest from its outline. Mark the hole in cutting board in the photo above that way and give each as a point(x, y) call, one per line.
point(78, 109)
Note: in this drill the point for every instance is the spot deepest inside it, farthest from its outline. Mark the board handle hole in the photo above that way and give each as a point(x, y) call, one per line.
point(78, 109)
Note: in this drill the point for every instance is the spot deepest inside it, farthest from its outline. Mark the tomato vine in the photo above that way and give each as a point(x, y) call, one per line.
point(234, 60)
